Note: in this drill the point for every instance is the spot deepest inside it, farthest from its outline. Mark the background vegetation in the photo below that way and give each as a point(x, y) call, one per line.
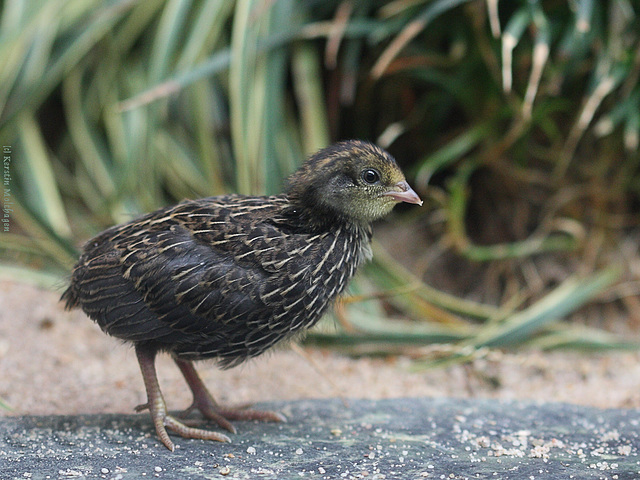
point(518, 121)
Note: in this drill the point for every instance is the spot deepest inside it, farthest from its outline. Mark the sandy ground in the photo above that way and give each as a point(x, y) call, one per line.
point(57, 362)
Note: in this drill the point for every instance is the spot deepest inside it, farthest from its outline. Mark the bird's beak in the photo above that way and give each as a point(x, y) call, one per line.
point(402, 192)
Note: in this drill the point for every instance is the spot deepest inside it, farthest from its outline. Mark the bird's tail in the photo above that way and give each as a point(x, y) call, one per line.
point(70, 298)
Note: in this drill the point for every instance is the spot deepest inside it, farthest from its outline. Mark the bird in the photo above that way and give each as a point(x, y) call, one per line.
point(227, 277)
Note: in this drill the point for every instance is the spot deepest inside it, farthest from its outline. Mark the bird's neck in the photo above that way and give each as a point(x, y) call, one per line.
point(316, 218)
point(302, 219)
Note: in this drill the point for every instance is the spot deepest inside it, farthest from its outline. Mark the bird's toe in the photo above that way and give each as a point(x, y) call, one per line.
point(183, 430)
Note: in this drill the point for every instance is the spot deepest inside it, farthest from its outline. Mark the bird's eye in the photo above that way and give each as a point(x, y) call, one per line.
point(370, 176)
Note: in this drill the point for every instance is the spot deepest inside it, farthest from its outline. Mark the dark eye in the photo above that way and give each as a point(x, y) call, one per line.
point(370, 175)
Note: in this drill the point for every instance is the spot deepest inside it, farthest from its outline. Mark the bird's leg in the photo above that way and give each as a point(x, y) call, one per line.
point(203, 401)
point(158, 409)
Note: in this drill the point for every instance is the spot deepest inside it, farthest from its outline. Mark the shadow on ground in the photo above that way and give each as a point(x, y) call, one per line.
point(324, 439)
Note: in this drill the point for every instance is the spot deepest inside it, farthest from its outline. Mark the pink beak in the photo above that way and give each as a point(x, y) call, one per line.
point(402, 192)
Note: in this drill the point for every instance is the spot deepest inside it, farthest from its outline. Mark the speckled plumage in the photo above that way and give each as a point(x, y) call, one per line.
point(223, 277)
point(228, 277)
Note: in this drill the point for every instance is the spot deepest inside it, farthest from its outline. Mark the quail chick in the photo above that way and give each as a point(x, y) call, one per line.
point(228, 277)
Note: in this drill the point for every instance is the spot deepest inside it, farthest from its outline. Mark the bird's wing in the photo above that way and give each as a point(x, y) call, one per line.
point(210, 267)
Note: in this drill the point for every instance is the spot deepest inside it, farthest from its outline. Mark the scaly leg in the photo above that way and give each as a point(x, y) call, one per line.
point(203, 401)
point(158, 409)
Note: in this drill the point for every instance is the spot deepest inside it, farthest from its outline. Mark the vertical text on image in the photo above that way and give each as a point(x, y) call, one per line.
point(7, 202)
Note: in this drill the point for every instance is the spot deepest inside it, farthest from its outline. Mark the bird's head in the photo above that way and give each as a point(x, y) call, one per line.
point(353, 180)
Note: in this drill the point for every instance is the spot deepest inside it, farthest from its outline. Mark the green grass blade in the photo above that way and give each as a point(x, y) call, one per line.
point(91, 154)
point(43, 194)
point(205, 32)
point(566, 298)
point(51, 247)
point(521, 249)
point(580, 337)
point(387, 272)
point(307, 80)
point(167, 38)
point(4, 405)
point(101, 21)
point(245, 107)
point(433, 10)
point(451, 152)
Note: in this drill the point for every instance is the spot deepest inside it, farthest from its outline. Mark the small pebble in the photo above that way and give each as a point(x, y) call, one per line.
point(158, 469)
point(225, 471)
point(299, 451)
point(251, 451)
point(104, 470)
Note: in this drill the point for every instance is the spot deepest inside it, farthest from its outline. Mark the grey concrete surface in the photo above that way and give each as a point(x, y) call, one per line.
point(324, 439)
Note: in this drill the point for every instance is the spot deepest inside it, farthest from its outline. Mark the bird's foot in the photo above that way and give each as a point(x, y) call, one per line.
point(185, 431)
point(222, 415)
point(204, 402)
point(163, 421)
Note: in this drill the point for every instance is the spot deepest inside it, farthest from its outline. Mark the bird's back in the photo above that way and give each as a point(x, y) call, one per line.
point(222, 277)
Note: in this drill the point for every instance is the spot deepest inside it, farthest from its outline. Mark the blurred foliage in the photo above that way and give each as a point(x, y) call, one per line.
point(520, 121)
